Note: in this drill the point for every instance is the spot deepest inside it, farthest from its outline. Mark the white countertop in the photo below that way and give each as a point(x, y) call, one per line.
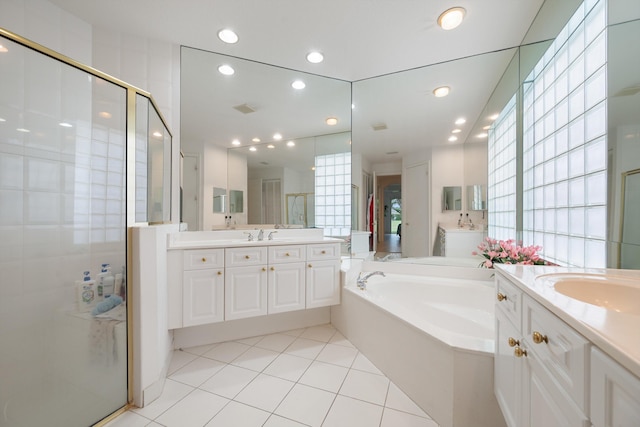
point(237, 238)
point(453, 228)
point(616, 334)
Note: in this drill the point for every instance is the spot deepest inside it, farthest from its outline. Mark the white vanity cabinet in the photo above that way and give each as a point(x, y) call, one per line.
point(615, 393)
point(249, 280)
point(245, 285)
point(323, 275)
point(203, 287)
point(541, 364)
point(286, 278)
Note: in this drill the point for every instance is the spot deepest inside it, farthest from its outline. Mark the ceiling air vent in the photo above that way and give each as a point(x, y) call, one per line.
point(379, 126)
point(244, 108)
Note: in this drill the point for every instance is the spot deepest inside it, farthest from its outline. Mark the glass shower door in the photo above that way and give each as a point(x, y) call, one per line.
point(63, 361)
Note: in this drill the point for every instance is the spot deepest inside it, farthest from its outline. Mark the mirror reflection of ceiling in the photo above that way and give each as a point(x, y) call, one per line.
point(359, 38)
point(256, 102)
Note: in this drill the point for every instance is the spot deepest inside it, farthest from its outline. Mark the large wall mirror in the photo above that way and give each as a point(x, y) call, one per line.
point(229, 124)
point(397, 120)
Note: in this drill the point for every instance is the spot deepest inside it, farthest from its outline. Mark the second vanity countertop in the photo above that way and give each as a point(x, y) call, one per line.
point(239, 238)
point(615, 333)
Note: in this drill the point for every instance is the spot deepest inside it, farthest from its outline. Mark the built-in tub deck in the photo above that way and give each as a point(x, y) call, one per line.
point(430, 329)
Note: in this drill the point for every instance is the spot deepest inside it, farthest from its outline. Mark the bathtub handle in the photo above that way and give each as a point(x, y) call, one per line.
point(501, 296)
point(513, 342)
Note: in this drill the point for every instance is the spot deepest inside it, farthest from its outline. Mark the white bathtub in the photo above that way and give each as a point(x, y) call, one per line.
point(457, 312)
point(432, 333)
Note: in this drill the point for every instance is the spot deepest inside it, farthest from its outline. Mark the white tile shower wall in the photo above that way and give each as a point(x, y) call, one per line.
point(49, 25)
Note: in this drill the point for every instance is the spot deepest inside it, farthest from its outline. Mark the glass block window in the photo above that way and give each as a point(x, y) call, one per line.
point(501, 190)
point(333, 194)
point(564, 144)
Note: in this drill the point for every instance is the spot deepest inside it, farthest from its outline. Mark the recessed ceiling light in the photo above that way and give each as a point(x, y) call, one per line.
point(66, 125)
point(298, 84)
point(441, 91)
point(157, 134)
point(461, 121)
point(23, 130)
point(277, 136)
point(487, 127)
point(253, 149)
point(271, 146)
point(256, 140)
point(313, 168)
point(482, 135)
point(228, 36)
point(456, 131)
point(235, 142)
point(331, 121)
point(494, 116)
point(353, 106)
point(227, 70)
point(2, 120)
point(104, 114)
point(315, 57)
point(451, 18)
point(291, 144)
point(3, 49)
point(453, 138)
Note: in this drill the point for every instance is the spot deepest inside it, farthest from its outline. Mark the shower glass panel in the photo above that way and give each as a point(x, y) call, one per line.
point(62, 212)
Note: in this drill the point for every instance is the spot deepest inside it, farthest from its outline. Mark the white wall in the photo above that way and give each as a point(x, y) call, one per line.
point(475, 172)
point(214, 174)
point(447, 169)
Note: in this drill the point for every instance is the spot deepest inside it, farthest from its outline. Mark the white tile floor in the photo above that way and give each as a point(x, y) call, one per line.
point(305, 377)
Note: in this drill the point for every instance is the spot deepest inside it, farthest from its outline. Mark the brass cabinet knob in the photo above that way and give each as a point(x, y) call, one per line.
point(264, 269)
point(219, 273)
point(518, 352)
point(501, 297)
point(204, 259)
point(286, 254)
point(513, 342)
point(538, 338)
point(246, 257)
point(273, 269)
point(323, 252)
point(310, 266)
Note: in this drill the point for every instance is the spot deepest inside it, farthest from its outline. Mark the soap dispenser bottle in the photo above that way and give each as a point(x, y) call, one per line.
point(85, 293)
point(106, 282)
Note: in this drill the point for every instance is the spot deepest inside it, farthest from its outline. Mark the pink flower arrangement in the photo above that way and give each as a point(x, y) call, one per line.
point(507, 252)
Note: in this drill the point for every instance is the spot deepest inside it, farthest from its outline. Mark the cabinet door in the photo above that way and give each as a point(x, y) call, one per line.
point(245, 292)
point(546, 404)
point(286, 287)
point(323, 283)
point(615, 393)
point(507, 370)
point(203, 297)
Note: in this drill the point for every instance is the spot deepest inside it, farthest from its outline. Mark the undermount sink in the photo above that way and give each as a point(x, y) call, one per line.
point(614, 293)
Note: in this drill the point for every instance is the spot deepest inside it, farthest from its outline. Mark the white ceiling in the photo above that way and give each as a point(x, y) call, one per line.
point(364, 41)
point(360, 38)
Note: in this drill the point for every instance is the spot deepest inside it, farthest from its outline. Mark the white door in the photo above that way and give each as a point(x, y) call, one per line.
point(191, 191)
point(286, 287)
point(203, 296)
point(416, 212)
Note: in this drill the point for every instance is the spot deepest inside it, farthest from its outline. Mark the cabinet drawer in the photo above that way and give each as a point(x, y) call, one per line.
point(238, 257)
point(204, 258)
point(323, 251)
point(282, 254)
point(509, 299)
point(562, 352)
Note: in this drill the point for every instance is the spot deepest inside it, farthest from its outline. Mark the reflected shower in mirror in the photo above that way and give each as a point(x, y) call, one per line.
point(452, 198)
point(258, 135)
point(476, 197)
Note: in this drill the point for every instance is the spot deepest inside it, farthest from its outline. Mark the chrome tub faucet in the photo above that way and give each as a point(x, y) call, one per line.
point(362, 279)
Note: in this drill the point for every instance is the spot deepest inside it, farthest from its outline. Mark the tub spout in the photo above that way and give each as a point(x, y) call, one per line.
point(362, 279)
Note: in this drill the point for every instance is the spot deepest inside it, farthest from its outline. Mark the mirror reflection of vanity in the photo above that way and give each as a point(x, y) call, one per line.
point(452, 198)
point(267, 180)
point(477, 197)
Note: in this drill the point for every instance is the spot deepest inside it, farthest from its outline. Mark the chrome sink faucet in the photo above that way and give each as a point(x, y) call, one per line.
point(261, 234)
point(249, 236)
point(362, 280)
point(270, 236)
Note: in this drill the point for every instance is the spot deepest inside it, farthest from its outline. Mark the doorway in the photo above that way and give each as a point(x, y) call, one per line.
point(389, 216)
